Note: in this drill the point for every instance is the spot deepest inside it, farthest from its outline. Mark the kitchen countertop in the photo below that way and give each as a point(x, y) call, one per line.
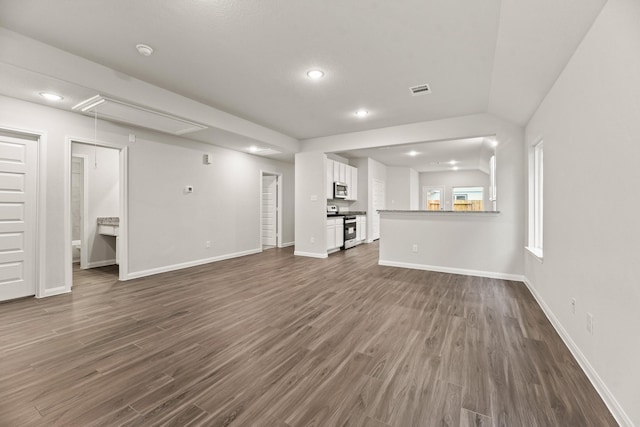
point(350, 213)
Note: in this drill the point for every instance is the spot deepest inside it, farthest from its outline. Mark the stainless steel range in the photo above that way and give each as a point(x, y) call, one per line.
point(350, 231)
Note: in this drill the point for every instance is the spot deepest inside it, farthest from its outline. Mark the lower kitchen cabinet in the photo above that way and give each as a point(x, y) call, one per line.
point(335, 233)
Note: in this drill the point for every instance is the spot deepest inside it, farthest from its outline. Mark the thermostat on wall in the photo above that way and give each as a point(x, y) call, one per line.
point(207, 159)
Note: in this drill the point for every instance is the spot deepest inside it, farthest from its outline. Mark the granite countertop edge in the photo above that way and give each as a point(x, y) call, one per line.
point(108, 220)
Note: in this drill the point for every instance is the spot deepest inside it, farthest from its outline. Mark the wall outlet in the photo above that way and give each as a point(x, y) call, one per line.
point(207, 244)
point(414, 248)
point(314, 198)
point(590, 323)
point(312, 240)
point(573, 305)
point(132, 137)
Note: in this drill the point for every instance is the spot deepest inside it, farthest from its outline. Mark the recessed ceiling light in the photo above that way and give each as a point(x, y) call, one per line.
point(315, 74)
point(413, 153)
point(452, 162)
point(51, 96)
point(144, 50)
point(455, 168)
point(253, 148)
point(362, 113)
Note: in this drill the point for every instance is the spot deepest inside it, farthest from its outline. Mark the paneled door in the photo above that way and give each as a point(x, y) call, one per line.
point(18, 167)
point(269, 210)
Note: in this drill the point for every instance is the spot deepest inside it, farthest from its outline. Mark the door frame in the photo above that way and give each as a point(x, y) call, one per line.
point(123, 178)
point(425, 190)
point(278, 206)
point(39, 137)
point(85, 209)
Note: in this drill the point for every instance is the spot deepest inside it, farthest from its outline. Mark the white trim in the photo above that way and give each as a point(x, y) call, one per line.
point(614, 407)
point(60, 290)
point(102, 263)
point(123, 178)
point(425, 189)
point(286, 245)
point(165, 269)
point(278, 206)
point(453, 270)
point(84, 262)
point(536, 252)
point(40, 228)
point(310, 254)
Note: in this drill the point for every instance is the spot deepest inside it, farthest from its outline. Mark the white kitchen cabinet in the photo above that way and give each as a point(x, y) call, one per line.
point(347, 180)
point(329, 178)
point(335, 233)
point(340, 172)
point(339, 232)
point(331, 234)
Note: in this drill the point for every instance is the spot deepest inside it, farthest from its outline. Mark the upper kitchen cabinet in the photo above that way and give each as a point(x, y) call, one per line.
point(343, 173)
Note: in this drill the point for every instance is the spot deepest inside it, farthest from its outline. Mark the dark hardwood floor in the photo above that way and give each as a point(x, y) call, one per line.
point(277, 340)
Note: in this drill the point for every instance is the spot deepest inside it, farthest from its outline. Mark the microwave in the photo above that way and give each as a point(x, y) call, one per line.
point(339, 190)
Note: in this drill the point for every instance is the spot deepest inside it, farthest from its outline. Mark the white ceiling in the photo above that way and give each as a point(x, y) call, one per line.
point(249, 57)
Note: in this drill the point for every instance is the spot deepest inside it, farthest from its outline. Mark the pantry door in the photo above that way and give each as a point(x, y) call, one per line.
point(18, 169)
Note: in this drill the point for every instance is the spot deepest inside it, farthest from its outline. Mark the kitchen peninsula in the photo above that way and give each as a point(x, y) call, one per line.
point(460, 242)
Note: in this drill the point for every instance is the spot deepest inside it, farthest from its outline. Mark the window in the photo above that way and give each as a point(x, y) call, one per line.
point(468, 198)
point(536, 200)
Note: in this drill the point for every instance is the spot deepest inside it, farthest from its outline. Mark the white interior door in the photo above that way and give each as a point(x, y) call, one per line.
point(378, 203)
point(18, 168)
point(269, 211)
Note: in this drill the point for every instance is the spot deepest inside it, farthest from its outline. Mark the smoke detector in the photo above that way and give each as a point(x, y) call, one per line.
point(420, 89)
point(144, 50)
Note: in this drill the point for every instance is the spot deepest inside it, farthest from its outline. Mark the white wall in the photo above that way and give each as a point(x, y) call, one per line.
point(166, 227)
point(414, 189)
point(362, 204)
point(590, 125)
point(310, 204)
point(102, 200)
point(398, 191)
point(376, 171)
point(462, 243)
point(450, 179)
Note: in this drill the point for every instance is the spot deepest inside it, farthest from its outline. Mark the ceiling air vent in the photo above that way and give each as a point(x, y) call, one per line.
point(420, 89)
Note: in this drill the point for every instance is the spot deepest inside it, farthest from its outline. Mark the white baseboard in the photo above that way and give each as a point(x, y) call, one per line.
point(286, 245)
point(614, 407)
point(54, 291)
point(166, 269)
point(101, 263)
point(453, 270)
point(310, 254)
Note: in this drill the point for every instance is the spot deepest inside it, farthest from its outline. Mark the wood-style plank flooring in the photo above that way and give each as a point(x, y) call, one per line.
point(277, 340)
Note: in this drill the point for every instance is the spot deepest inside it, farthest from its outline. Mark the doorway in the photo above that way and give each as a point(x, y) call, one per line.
point(18, 214)
point(96, 208)
point(270, 202)
point(433, 198)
